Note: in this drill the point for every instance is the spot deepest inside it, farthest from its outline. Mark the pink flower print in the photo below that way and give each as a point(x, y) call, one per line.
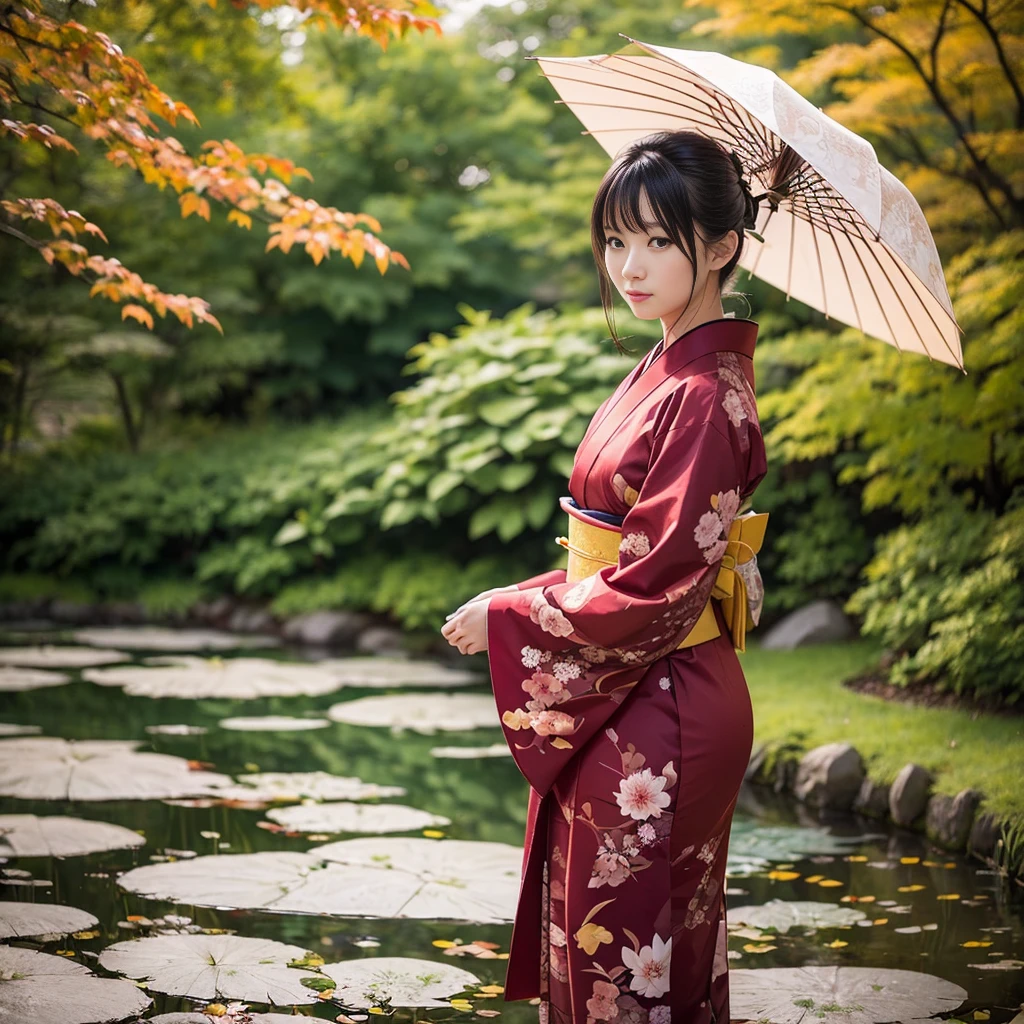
point(576, 598)
point(565, 670)
point(733, 406)
point(641, 795)
point(557, 935)
point(558, 889)
point(728, 506)
point(595, 655)
point(631, 1012)
point(531, 657)
point(669, 772)
point(660, 1015)
point(545, 690)
point(665, 683)
point(610, 867)
point(716, 551)
point(708, 530)
point(550, 619)
point(601, 1005)
point(552, 723)
point(646, 834)
point(635, 545)
point(650, 968)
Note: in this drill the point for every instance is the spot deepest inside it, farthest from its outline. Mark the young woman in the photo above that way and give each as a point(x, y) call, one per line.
point(621, 694)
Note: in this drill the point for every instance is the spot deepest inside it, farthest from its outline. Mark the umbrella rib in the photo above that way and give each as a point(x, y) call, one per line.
point(899, 266)
point(694, 82)
point(639, 110)
point(698, 82)
point(846, 275)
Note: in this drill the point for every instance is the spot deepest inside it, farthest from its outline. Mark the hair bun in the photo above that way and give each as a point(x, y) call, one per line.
point(750, 203)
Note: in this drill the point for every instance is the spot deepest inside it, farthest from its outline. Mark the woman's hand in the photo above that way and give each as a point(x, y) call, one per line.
point(482, 596)
point(466, 629)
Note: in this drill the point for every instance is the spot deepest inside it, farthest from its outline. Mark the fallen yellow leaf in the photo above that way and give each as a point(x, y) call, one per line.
point(910, 888)
point(443, 943)
point(829, 883)
point(764, 948)
point(783, 876)
point(948, 896)
point(910, 860)
point(836, 944)
point(974, 944)
point(432, 833)
point(814, 878)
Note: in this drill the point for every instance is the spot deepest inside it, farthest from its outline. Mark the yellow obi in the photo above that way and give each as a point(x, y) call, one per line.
point(593, 544)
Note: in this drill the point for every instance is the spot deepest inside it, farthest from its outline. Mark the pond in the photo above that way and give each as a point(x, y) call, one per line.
point(878, 896)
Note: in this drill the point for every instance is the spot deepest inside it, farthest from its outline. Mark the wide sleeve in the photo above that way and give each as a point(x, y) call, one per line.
point(564, 655)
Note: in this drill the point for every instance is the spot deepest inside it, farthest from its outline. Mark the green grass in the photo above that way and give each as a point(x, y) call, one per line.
point(799, 701)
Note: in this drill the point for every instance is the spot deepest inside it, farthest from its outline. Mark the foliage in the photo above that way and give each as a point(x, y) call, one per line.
point(80, 76)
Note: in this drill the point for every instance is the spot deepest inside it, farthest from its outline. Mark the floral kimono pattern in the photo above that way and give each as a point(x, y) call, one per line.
point(634, 748)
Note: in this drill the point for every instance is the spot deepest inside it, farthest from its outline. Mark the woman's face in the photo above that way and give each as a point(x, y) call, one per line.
point(651, 273)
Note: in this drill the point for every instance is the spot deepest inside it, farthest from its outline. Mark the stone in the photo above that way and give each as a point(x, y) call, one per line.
point(124, 613)
point(72, 611)
point(829, 776)
point(984, 834)
point(785, 774)
point(948, 819)
point(872, 800)
point(756, 763)
point(380, 640)
point(819, 622)
point(252, 620)
point(215, 612)
point(908, 795)
point(325, 628)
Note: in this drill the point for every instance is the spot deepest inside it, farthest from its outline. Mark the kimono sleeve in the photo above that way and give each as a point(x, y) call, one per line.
point(563, 656)
point(673, 541)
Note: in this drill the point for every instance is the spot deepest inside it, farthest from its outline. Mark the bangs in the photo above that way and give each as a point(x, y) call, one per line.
point(618, 201)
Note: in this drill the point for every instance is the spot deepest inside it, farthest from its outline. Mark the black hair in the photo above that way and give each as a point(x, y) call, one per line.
point(689, 179)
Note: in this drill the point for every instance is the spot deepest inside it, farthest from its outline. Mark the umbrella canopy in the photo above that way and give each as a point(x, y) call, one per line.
point(835, 229)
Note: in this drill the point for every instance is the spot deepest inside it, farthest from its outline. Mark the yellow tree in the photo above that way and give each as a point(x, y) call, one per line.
point(61, 73)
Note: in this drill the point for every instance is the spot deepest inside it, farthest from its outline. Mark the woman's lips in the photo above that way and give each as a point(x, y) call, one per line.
point(639, 296)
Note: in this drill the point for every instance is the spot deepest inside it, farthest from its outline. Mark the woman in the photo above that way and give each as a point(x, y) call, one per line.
point(634, 739)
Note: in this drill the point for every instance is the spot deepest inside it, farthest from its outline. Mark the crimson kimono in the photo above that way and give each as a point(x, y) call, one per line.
point(635, 750)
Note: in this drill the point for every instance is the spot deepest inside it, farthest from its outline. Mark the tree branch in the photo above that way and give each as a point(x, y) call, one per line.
point(985, 171)
point(993, 33)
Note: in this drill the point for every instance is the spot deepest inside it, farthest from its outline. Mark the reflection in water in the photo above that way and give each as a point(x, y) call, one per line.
point(922, 911)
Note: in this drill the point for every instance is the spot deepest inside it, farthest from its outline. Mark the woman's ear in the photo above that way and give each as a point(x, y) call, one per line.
point(722, 250)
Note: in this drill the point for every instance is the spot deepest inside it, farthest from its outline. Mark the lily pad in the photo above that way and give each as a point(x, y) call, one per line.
point(292, 786)
point(25, 835)
point(273, 723)
point(177, 729)
point(785, 914)
point(214, 967)
point(397, 981)
point(189, 677)
point(840, 995)
point(47, 989)
point(53, 656)
point(158, 638)
point(350, 817)
point(379, 877)
point(13, 729)
point(383, 672)
point(41, 921)
point(14, 679)
point(753, 847)
point(48, 768)
point(471, 753)
point(425, 713)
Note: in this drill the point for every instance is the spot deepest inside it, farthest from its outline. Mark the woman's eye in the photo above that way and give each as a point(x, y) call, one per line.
point(667, 241)
point(612, 241)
